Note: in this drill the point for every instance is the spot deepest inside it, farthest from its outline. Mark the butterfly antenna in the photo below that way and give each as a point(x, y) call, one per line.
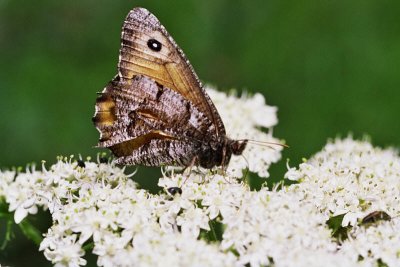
point(265, 143)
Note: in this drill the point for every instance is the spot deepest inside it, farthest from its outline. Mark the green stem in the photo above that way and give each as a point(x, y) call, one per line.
point(31, 232)
point(212, 230)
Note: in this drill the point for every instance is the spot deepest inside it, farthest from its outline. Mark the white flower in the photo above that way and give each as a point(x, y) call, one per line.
point(242, 118)
point(192, 220)
point(62, 250)
point(6, 179)
point(292, 173)
point(108, 247)
point(23, 195)
point(223, 197)
point(312, 258)
point(176, 250)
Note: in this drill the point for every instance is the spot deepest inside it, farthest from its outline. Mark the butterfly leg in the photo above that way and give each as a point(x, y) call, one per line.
point(188, 169)
point(223, 166)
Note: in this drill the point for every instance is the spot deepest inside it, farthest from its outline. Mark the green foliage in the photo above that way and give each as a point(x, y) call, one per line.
point(26, 227)
point(338, 231)
point(215, 233)
point(8, 218)
point(31, 232)
point(23, 238)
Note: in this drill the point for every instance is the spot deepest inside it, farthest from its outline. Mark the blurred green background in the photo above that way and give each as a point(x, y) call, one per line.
point(331, 67)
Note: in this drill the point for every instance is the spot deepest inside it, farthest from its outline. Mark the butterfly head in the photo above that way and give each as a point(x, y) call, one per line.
point(237, 146)
point(231, 147)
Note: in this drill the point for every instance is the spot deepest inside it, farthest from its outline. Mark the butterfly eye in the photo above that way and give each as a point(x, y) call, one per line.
point(154, 45)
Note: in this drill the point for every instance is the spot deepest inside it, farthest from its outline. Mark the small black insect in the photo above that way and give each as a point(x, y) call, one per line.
point(81, 163)
point(103, 160)
point(174, 190)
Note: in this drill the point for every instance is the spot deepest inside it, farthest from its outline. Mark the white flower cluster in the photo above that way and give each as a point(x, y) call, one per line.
point(203, 218)
point(374, 243)
point(276, 227)
point(355, 179)
point(263, 227)
point(244, 118)
point(98, 203)
point(352, 178)
point(127, 226)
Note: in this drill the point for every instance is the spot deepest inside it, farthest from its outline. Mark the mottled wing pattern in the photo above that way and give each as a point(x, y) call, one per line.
point(155, 111)
point(145, 123)
point(168, 66)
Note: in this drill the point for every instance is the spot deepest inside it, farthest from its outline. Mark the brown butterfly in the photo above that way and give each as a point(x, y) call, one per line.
point(155, 111)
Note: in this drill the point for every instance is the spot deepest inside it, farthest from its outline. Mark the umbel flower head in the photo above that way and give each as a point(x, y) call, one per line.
point(215, 219)
point(243, 118)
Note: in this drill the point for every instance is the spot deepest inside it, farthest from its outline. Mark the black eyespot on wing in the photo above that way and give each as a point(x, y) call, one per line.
point(154, 45)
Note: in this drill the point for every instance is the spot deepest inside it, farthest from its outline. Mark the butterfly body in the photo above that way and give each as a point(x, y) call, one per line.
point(155, 111)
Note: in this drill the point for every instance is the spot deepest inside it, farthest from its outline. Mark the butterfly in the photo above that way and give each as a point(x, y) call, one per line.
point(155, 111)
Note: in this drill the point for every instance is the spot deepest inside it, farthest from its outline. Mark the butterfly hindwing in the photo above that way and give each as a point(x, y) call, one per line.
point(144, 118)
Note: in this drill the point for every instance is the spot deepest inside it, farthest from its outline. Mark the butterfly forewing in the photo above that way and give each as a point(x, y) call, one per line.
point(168, 66)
